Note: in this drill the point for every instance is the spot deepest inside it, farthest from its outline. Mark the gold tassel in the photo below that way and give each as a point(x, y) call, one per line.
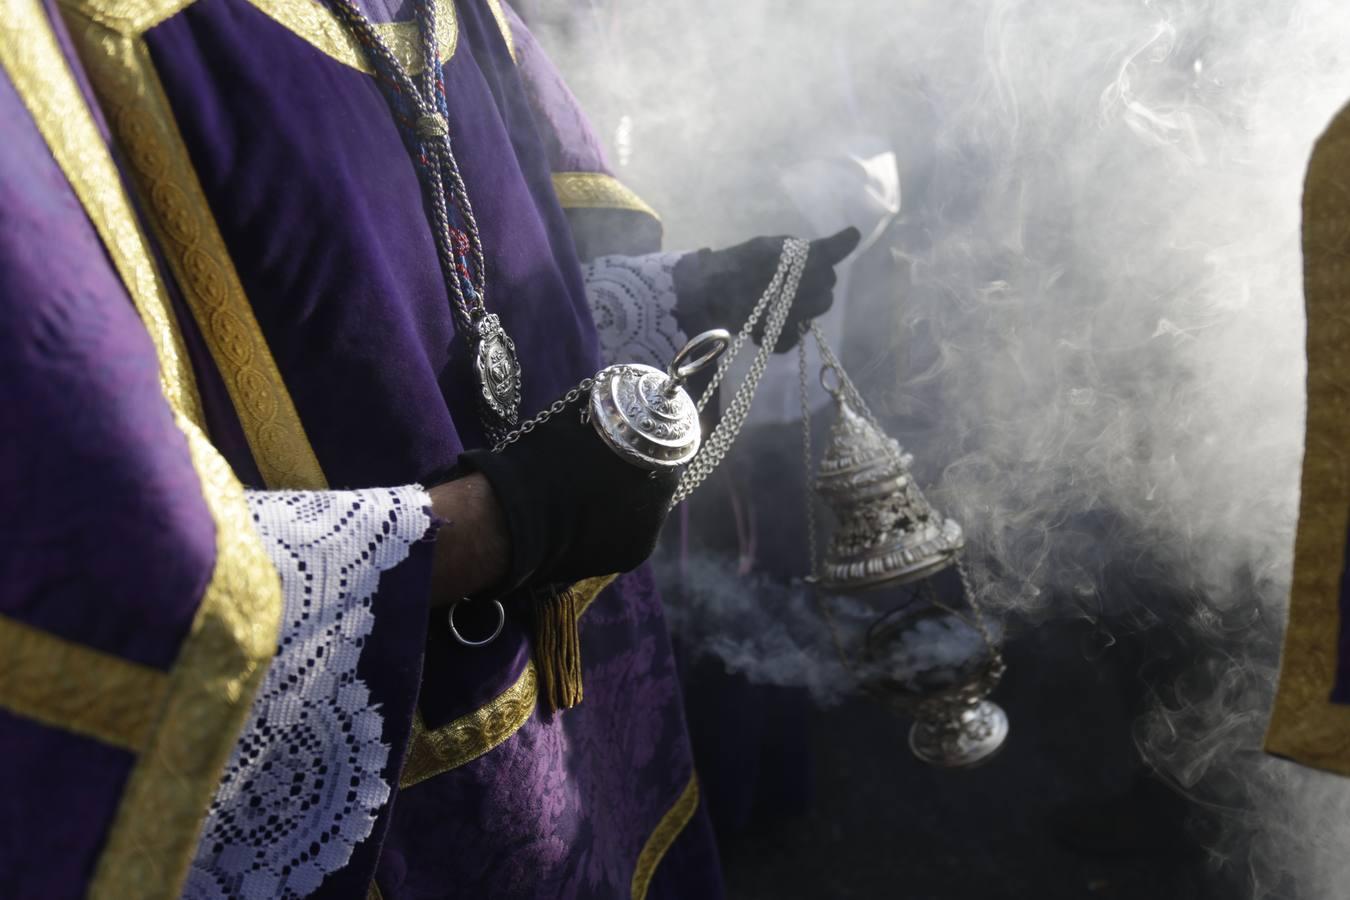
point(557, 646)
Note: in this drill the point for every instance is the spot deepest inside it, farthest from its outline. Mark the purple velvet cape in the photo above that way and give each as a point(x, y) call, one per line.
point(312, 192)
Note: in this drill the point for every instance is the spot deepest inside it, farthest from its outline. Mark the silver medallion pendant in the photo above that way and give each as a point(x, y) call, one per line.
point(497, 367)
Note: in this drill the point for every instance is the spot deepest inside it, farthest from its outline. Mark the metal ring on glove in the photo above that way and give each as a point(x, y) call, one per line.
point(709, 345)
point(501, 622)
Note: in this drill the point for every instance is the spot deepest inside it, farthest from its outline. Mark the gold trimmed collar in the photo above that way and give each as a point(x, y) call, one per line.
point(313, 23)
point(308, 20)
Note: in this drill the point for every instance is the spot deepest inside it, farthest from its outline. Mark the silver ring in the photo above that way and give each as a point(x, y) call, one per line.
point(501, 622)
point(711, 343)
point(830, 369)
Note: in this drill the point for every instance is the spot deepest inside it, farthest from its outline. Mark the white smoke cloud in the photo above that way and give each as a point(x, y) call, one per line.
point(1100, 319)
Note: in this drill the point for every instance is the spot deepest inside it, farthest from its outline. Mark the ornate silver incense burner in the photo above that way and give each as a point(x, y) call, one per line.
point(644, 414)
point(888, 535)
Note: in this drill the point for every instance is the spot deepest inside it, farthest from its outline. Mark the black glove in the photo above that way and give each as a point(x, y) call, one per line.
point(719, 288)
point(574, 508)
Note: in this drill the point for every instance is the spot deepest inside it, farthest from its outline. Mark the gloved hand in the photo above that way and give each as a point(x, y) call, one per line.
point(574, 508)
point(719, 288)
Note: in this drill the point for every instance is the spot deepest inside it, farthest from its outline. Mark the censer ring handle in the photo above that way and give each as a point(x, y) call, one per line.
point(703, 348)
point(837, 388)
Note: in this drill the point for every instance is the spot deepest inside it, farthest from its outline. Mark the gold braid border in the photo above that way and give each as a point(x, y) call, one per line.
point(318, 27)
point(196, 710)
point(433, 752)
point(124, 76)
point(595, 190)
point(661, 839)
point(504, 27)
point(1305, 726)
point(78, 689)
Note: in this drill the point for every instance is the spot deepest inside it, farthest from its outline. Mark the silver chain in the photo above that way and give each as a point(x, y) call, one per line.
point(556, 407)
point(773, 290)
point(808, 460)
point(777, 300)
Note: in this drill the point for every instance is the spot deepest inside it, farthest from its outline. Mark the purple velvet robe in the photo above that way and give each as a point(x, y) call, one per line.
point(310, 191)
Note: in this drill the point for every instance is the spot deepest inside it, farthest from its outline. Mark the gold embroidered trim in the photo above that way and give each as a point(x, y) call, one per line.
point(219, 668)
point(131, 16)
point(588, 589)
point(1305, 726)
point(504, 27)
point(120, 68)
point(431, 753)
point(317, 26)
point(664, 835)
point(76, 688)
point(32, 58)
point(594, 190)
point(435, 752)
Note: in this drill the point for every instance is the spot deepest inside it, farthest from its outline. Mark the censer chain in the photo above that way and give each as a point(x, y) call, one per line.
point(556, 407)
point(777, 299)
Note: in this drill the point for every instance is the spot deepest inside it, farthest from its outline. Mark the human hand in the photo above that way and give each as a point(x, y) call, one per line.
point(719, 288)
point(573, 508)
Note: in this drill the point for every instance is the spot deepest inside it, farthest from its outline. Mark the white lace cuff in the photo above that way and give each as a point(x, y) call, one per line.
point(303, 786)
point(632, 299)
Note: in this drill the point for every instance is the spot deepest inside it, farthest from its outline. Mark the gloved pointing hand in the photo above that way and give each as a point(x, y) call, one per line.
point(719, 288)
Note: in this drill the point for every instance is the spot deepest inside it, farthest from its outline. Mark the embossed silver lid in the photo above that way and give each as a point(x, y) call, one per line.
point(886, 532)
point(645, 415)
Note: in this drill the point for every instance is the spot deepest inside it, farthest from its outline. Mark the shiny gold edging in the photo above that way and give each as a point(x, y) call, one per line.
point(219, 668)
point(663, 836)
point(1305, 726)
point(595, 190)
point(314, 24)
point(32, 58)
point(431, 753)
point(504, 26)
point(437, 751)
point(124, 77)
point(76, 688)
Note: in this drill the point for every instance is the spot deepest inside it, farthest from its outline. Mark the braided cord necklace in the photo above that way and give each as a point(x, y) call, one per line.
point(420, 110)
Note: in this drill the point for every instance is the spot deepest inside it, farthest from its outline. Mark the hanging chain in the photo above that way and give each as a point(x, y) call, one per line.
point(808, 458)
point(556, 407)
point(995, 650)
point(785, 262)
point(778, 299)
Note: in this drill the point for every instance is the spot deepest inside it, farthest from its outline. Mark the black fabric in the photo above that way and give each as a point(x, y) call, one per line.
point(574, 508)
point(719, 288)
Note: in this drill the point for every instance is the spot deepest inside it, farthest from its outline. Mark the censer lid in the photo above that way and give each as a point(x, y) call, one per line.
point(858, 453)
point(644, 414)
point(886, 531)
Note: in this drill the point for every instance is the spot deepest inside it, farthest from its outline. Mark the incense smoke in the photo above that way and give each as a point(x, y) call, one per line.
point(1096, 265)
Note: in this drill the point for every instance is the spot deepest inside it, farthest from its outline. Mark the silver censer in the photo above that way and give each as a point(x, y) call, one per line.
point(645, 415)
point(886, 534)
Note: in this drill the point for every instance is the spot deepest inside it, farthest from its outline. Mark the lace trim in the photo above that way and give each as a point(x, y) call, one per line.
point(303, 786)
point(632, 300)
